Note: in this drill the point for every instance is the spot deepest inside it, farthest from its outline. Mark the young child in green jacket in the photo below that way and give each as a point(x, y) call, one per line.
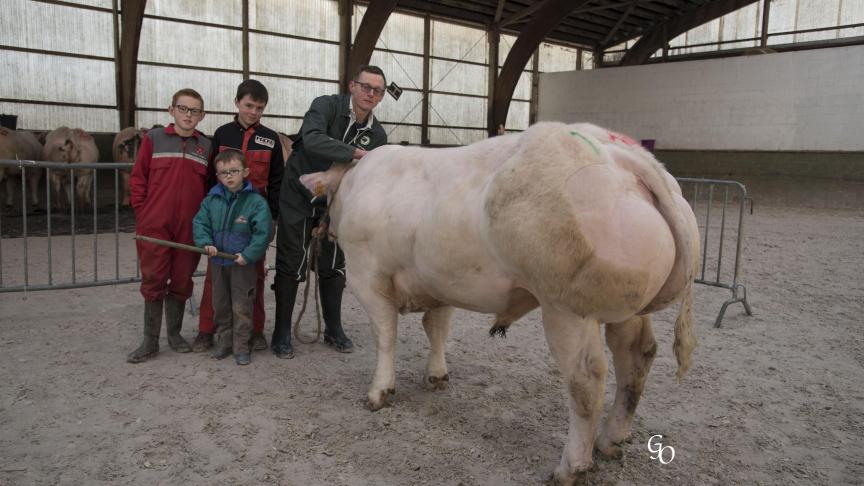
point(233, 219)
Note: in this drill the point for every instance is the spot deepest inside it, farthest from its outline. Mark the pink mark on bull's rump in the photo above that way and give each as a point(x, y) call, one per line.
point(618, 137)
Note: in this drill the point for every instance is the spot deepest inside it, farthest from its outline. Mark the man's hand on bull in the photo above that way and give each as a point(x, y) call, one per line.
point(240, 260)
point(210, 250)
point(359, 153)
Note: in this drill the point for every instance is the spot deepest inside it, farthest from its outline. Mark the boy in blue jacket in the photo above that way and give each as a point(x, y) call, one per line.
point(234, 219)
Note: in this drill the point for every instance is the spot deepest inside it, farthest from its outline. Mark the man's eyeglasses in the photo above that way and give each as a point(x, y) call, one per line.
point(369, 89)
point(229, 172)
point(192, 111)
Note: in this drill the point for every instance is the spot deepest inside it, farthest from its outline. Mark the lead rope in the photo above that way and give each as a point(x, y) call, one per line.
point(312, 266)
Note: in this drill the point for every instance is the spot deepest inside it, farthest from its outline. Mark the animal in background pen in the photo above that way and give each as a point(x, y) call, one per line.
point(20, 145)
point(125, 149)
point(72, 146)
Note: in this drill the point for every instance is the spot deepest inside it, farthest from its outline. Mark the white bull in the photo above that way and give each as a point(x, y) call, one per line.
point(576, 219)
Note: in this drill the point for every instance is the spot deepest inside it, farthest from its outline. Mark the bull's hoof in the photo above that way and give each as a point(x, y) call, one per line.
point(380, 399)
point(610, 452)
point(436, 382)
point(571, 480)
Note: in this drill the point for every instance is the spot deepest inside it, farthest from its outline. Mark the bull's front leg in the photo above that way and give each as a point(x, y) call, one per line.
point(633, 348)
point(383, 316)
point(436, 323)
point(577, 348)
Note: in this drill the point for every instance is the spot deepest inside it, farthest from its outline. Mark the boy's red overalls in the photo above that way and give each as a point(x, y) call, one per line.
point(166, 188)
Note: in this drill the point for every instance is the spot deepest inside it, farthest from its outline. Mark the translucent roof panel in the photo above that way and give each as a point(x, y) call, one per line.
point(455, 136)
point(224, 12)
point(457, 77)
point(518, 115)
point(49, 117)
point(156, 85)
point(207, 126)
point(293, 96)
point(401, 133)
point(318, 19)
point(458, 42)
point(294, 57)
point(407, 109)
point(555, 58)
point(71, 80)
point(187, 44)
point(458, 111)
point(60, 28)
point(406, 71)
point(504, 48)
point(402, 33)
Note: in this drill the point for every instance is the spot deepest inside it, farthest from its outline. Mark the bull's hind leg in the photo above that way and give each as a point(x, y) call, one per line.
point(383, 316)
point(436, 323)
point(576, 345)
point(633, 348)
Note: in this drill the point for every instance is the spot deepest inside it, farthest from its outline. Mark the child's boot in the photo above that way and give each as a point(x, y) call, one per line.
point(152, 325)
point(174, 309)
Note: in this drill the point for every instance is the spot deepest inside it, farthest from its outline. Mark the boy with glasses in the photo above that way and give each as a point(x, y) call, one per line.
point(166, 187)
point(335, 130)
point(233, 219)
point(263, 151)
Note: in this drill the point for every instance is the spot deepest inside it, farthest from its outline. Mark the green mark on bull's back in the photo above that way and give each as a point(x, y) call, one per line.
point(589, 142)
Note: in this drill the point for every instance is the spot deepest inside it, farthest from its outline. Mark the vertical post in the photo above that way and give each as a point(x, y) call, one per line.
point(130, 37)
point(535, 87)
point(245, 39)
point(579, 59)
point(665, 42)
point(494, 46)
point(427, 49)
point(346, 10)
point(766, 9)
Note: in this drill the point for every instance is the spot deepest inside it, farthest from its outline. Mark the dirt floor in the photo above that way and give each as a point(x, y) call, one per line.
point(775, 398)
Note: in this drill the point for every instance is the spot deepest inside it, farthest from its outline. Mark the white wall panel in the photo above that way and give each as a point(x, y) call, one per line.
point(806, 100)
point(294, 57)
point(402, 33)
point(225, 12)
point(44, 77)
point(156, 86)
point(287, 126)
point(555, 58)
point(518, 115)
point(48, 117)
point(318, 19)
point(194, 45)
point(56, 28)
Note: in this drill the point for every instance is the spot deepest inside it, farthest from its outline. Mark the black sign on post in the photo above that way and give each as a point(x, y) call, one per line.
point(394, 90)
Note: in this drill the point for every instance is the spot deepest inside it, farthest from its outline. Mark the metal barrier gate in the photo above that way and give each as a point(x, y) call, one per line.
point(36, 234)
point(700, 193)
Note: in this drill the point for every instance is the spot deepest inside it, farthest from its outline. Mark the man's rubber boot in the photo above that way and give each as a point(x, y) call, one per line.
point(152, 325)
point(286, 292)
point(257, 342)
point(331, 306)
point(203, 342)
point(174, 309)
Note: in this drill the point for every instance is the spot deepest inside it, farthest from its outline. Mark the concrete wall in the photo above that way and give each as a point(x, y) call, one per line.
point(795, 101)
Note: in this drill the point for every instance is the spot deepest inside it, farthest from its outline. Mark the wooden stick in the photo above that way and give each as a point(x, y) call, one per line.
point(181, 246)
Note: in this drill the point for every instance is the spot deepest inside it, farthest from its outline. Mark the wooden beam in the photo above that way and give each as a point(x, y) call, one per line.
point(427, 50)
point(524, 13)
point(132, 19)
point(499, 11)
point(367, 35)
point(346, 10)
point(547, 17)
point(245, 39)
point(494, 47)
point(617, 26)
point(655, 38)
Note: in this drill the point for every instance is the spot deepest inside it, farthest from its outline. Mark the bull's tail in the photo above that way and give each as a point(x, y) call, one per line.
point(651, 173)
